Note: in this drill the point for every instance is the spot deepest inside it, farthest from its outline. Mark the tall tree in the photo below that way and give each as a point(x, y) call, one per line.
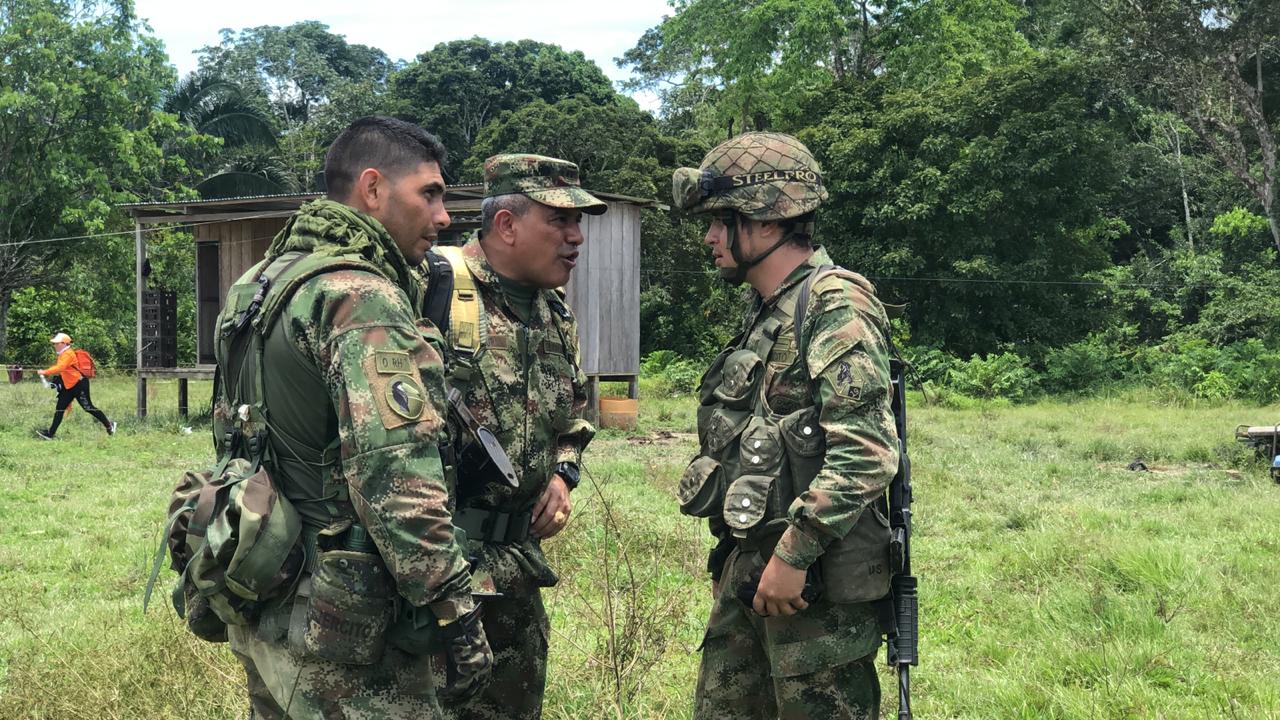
point(218, 107)
point(1206, 60)
point(296, 73)
point(755, 55)
point(938, 41)
point(79, 131)
point(613, 144)
point(982, 203)
point(457, 88)
point(295, 68)
point(246, 163)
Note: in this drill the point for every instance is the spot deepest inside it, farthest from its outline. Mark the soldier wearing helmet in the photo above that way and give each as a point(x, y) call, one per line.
point(797, 448)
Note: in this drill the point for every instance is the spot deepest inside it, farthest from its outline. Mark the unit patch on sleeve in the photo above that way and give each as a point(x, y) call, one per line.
point(845, 384)
point(389, 362)
point(401, 398)
point(405, 397)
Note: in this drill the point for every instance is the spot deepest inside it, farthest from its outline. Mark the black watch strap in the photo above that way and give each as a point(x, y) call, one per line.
point(569, 471)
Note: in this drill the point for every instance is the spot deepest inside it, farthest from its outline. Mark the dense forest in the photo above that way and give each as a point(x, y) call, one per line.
point(1067, 194)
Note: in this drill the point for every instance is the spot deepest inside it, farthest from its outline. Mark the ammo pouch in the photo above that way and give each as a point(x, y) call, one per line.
point(856, 567)
point(739, 380)
point(235, 543)
point(343, 616)
point(702, 488)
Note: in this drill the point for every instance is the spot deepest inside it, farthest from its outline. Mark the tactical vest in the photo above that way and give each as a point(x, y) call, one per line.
point(754, 462)
point(286, 406)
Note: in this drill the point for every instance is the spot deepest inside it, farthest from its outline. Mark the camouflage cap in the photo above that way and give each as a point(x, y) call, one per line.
point(764, 176)
point(547, 180)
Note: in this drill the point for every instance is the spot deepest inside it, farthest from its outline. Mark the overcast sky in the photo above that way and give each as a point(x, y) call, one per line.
point(601, 30)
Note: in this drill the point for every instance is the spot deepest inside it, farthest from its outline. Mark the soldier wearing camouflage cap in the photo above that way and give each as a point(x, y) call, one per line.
point(798, 445)
point(513, 356)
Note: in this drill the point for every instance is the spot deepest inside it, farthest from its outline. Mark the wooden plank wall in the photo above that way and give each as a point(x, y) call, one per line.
point(604, 292)
point(240, 243)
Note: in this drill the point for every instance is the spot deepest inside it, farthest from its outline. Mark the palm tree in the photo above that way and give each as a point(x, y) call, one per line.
point(248, 171)
point(218, 107)
point(247, 164)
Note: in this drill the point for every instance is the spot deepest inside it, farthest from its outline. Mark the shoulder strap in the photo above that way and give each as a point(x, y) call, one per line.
point(464, 304)
point(802, 308)
point(439, 272)
point(806, 289)
point(277, 280)
point(283, 283)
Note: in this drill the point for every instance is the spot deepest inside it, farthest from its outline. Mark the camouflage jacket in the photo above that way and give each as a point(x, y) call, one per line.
point(845, 375)
point(347, 360)
point(527, 387)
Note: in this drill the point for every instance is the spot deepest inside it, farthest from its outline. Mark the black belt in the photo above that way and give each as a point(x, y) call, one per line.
point(494, 526)
point(761, 542)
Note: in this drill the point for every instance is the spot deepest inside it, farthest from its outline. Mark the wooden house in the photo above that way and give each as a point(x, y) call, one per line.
point(232, 234)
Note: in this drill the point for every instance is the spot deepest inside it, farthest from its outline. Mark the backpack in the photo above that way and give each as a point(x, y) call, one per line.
point(453, 302)
point(235, 541)
point(85, 364)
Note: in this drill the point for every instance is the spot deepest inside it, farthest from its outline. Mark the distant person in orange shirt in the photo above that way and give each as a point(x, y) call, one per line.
point(71, 385)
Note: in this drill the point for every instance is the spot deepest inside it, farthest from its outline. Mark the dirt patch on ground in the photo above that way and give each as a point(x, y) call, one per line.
point(1152, 469)
point(662, 437)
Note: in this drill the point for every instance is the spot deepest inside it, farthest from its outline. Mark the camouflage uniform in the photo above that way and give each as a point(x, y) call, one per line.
point(526, 386)
point(798, 445)
point(355, 397)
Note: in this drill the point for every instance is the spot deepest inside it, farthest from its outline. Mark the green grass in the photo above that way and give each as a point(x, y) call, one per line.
point(1054, 582)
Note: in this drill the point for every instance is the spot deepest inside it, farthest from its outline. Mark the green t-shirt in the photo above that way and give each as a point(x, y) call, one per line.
point(519, 297)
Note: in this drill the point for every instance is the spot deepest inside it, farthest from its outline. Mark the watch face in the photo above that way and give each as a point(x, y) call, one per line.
point(569, 472)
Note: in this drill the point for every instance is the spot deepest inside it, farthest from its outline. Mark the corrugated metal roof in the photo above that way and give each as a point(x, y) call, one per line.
point(469, 191)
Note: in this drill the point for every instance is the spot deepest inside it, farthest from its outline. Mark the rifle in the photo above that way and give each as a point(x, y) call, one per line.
point(903, 632)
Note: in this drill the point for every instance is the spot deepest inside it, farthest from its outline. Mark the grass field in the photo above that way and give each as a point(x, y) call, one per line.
point(1054, 583)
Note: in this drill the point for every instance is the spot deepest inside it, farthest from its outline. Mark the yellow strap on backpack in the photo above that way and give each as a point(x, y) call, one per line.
point(464, 305)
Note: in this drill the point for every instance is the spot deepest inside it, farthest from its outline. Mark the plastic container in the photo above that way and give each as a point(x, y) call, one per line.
point(619, 413)
point(15, 374)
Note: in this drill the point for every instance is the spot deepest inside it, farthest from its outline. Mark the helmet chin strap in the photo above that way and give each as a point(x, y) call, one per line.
point(738, 274)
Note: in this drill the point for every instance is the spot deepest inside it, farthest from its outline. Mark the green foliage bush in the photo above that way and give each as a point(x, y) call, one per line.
point(672, 374)
point(1084, 366)
point(1007, 375)
point(1183, 370)
point(928, 364)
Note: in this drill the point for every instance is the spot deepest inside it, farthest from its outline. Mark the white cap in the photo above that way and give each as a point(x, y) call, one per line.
point(61, 338)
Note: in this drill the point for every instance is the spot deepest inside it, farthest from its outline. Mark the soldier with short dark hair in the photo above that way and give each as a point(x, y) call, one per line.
point(515, 362)
point(352, 398)
point(797, 447)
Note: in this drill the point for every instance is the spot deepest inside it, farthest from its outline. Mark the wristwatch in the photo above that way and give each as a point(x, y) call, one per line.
point(569, 471)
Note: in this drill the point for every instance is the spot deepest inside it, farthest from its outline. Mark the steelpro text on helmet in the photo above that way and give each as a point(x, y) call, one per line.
point(758, 175)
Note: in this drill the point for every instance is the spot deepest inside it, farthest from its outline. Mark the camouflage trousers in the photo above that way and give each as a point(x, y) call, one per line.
point(818, 663)
point(518, 630)
point(397, 687)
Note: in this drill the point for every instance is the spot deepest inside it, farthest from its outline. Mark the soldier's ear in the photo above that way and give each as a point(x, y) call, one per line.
point(370, 191)
point(504, 222)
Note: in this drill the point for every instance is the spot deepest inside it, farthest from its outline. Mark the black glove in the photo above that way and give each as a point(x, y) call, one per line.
point(468, 659)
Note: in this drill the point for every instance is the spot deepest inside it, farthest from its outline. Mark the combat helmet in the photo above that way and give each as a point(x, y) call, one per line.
point(758, 175)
